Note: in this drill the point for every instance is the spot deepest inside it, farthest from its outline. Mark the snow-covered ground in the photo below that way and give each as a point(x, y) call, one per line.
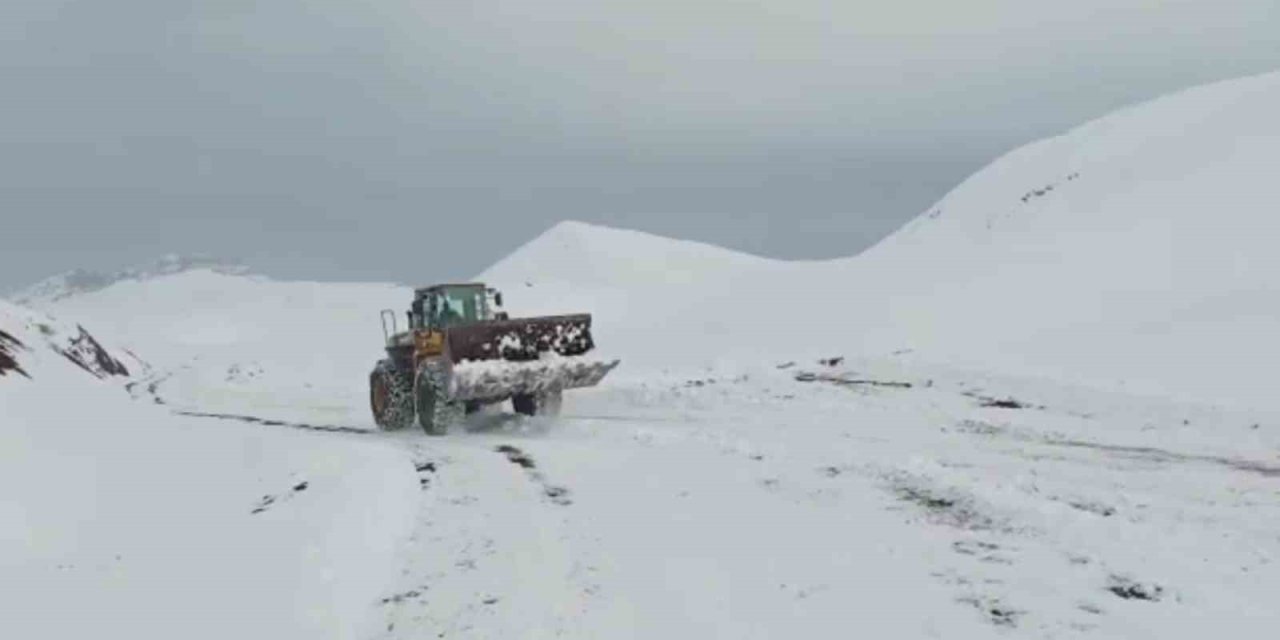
point(120, 519)
point(1044, 411)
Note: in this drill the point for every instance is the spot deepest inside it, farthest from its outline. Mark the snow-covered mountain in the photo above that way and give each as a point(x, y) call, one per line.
point(1134, 251)
point(80, 281)
point(32, 343)
point(1138, 248)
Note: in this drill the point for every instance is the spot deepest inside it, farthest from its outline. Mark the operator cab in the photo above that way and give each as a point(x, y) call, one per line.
point(446, 305)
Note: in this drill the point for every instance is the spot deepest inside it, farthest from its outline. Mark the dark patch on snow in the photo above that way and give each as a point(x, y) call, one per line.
point(942, 506)
point(978, 427)
point(1130, 589)
point(8, 361)
point(424, 469)
point(974, 547)
point(558, 495)
point(925, 499)
point(263, 504)
point(276, 423)
point(411, 594)
point(1006, 402)
point(152, 386)
point(1096, 508)
point(996, 612)
point(516, 456)
point(1154, 454)
point(832, 362)
point(240, 373)
point(786, 365)
point(268, 500)
point(1089, 607)
point(846, 380)
point(1046, 190)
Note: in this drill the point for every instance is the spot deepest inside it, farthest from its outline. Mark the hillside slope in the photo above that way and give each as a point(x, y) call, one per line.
point(1133, 251)
point(118, 516)
point(1138, 247)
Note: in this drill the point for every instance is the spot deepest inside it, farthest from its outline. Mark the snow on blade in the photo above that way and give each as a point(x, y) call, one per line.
point(481, 379)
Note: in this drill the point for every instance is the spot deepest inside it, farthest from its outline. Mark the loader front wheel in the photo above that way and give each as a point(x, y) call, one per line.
point(435, 412)
point(390, 397)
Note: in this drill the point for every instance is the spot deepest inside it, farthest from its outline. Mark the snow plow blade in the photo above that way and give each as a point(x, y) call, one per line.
point(496, 360)
point(495, 379)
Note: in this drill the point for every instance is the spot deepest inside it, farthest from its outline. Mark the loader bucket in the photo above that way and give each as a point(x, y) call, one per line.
point(521, 340)
point(496, 360)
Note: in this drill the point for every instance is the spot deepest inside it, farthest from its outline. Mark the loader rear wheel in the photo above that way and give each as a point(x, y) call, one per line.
point(435, 413)
point(390, 397)
point(524, 404)
point(542, 404)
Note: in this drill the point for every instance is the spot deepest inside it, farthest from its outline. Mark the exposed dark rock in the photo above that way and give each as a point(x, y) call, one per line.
point(8, 361)
point(87, 354)
point(1130, 589)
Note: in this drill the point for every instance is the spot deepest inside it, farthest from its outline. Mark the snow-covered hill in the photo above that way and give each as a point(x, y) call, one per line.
point(34, 343)
point(1138, 248)
point(1135, 251)
point(1132, 252)
point(227, 341)
point(80, 281)
point(145, 524)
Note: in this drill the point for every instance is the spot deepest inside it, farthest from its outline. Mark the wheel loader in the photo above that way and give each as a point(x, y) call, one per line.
point(461, 352)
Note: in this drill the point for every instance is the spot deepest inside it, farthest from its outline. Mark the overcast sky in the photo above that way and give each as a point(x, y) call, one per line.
point(420, 140)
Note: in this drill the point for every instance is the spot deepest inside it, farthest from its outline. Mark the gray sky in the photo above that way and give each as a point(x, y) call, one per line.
point(419, 140)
